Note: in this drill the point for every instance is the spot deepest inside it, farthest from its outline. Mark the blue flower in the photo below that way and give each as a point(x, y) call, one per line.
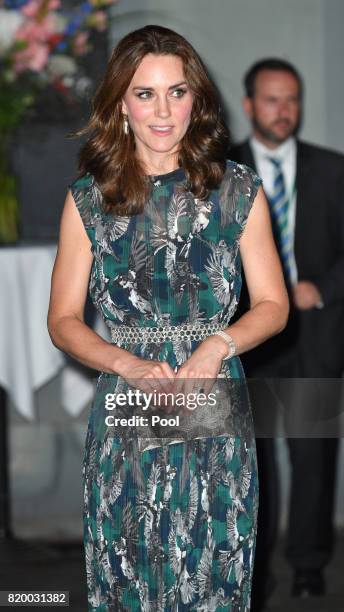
point(15, 4)
point(86, 7)
point(61, 46)
point(72, 27)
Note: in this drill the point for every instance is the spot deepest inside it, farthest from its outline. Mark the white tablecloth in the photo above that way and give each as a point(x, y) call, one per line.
point(28, 359)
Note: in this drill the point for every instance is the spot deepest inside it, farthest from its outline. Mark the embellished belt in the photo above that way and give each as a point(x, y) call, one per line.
point(133, 334)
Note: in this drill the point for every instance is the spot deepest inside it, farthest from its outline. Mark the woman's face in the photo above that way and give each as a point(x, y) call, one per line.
point(158, 103)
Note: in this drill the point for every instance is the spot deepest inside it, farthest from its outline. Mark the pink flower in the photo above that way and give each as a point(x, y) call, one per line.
point(33, 30)
point(34, 57)
point(32, 8)
point(80, 43)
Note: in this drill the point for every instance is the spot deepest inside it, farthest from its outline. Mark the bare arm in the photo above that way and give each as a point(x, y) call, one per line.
point(66, 325)
point(268, 297)
point(269, 304)
point(69, 286)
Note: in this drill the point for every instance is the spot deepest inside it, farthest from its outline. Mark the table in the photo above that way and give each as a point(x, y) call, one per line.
point(28, 358)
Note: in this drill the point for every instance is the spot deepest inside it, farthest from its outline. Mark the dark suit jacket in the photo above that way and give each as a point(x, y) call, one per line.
point(313, 339)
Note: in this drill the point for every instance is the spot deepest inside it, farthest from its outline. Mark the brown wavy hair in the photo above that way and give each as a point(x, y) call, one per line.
point(109, 154)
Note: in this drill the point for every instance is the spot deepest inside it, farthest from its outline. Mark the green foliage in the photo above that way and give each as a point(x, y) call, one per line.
point(14, 101)
point(8, 205)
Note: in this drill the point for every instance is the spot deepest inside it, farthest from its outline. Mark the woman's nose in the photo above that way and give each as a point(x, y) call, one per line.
point(162, 108)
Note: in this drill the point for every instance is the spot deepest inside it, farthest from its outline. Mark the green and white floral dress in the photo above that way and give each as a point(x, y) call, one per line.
point(170, 525)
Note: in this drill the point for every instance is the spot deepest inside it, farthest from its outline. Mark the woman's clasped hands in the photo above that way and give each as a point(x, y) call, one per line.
point(177, 390)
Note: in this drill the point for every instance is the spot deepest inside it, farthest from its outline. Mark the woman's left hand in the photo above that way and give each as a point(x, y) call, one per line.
point(198, 374)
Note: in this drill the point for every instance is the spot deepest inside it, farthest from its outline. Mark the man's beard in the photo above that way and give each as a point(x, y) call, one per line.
point(269, 135)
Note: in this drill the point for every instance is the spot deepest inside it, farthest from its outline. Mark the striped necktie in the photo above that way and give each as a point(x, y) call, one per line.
point(279, 203)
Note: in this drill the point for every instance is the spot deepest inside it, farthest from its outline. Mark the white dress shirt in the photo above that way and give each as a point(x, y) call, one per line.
point(286, 153)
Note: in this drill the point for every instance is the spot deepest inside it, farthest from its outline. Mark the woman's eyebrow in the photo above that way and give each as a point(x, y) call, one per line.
point(152, 88)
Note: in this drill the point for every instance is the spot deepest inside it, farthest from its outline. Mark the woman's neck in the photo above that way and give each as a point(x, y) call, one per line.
point(158, 164)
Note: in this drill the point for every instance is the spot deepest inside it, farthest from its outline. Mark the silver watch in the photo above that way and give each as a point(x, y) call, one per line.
point(230, 342)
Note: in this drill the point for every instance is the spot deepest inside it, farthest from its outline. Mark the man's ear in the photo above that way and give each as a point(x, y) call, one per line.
point(247, 106)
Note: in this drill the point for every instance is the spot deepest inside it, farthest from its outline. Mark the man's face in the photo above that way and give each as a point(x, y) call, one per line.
point(275, 107)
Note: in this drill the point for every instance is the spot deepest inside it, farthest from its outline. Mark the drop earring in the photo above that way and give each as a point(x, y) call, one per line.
point(125, 126)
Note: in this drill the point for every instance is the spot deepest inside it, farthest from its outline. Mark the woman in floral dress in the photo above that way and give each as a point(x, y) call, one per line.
point(156, 227)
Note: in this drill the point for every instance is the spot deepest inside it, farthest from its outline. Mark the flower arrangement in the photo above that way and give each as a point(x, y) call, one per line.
point(41, 42)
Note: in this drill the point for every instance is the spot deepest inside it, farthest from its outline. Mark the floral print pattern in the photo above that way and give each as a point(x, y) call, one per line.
point(169, 526)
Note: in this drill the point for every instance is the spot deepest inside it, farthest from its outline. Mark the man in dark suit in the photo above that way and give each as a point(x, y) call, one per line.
point(305, 188)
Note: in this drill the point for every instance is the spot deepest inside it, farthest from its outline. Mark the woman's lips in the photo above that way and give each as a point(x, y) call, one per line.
point(161, 130)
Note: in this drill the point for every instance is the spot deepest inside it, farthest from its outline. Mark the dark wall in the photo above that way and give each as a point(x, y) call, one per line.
point(44, 159)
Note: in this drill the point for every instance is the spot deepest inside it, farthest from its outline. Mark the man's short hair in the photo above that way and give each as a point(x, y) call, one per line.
point(270, 63)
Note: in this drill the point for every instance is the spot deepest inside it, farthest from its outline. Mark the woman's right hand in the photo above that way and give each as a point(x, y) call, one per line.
point(147, 375)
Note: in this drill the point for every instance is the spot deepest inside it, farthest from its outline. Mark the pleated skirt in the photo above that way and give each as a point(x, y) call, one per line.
point(169, 529)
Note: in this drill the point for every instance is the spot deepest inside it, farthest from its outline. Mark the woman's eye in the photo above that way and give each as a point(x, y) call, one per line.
point(178, 93)
point(144, 95)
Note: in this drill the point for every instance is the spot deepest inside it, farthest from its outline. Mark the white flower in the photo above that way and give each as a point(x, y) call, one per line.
point(83, 86)
point(9, 23)
point(68, 81)
point(62, 65)
point(60, 23)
